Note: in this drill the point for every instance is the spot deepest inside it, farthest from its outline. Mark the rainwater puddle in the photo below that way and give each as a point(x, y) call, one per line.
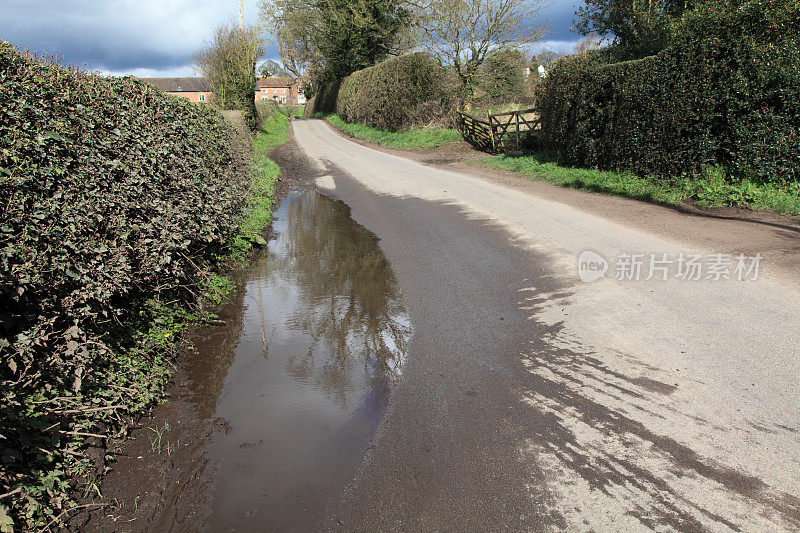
point(320, 344)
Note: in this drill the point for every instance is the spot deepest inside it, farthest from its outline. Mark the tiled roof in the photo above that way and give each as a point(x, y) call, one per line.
point(274, 82)
point(179, 84)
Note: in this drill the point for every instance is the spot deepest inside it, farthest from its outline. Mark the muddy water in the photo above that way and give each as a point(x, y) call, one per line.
point(321, 343)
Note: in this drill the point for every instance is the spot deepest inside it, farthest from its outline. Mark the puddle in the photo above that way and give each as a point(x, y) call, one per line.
point(320, 344)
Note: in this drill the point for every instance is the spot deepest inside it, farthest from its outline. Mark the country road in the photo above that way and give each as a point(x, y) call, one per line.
point(532, 400)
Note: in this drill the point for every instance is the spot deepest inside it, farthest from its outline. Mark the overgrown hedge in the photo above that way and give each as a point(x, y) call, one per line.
point(113, 197)
point(726, 92)
point(396, 94)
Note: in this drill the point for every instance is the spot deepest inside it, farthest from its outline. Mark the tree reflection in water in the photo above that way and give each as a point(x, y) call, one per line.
point(348, 300)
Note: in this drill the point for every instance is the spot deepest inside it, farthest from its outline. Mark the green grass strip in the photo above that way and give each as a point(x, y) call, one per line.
point(265, 172)
point(711, 188)
point(414, 138)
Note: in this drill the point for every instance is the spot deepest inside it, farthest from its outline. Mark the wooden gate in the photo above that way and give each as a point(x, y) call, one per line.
point(500, 131)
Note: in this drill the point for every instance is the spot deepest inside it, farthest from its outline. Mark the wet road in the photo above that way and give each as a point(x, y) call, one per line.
point(531, 400)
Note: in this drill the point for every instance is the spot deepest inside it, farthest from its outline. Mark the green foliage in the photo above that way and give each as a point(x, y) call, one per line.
point(413, 138)
point(633, 22)
point(711, 188)
point(296, 111)
point(356, 34)
point(503, 74)
point(117, 199)
point(326, 41)
point(257, 213)
point(726, 92)
point(399, 93)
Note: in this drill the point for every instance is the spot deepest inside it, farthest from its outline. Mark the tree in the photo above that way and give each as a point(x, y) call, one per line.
point(589, 42)
point(295, 24)
point(644, 23)
point(461, 34)
point(228, 62)
point(331, 39)
point(503, 74)
point(270, 69)
point(544, 58)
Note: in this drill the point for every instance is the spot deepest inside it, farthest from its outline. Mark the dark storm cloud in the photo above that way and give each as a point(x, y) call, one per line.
point(149, 37)
point(116, 35)
point(561, 14)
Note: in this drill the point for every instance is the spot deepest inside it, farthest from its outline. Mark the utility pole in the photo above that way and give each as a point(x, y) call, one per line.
point(241, 14)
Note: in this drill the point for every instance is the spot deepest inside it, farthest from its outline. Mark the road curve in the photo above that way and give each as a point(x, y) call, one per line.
point(535, 401)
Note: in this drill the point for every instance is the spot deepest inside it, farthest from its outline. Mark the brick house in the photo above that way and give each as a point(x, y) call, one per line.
point(197, 90)
point(281, 90)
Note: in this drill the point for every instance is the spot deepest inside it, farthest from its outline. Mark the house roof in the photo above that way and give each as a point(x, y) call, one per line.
point(274, 82)
point(179, 85)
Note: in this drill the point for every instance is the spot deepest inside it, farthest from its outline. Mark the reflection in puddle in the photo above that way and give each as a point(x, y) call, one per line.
point(323, 339)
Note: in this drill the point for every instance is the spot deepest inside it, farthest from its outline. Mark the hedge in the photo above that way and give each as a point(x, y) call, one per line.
point(396, 94)
point(726, 92)
point(325, 99)
point(114, 196)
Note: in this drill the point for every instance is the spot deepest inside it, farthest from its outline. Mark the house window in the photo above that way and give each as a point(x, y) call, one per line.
point(263, 89)
point(201, 97)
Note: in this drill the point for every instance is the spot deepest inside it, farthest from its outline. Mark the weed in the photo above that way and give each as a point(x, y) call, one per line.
point(156, 441)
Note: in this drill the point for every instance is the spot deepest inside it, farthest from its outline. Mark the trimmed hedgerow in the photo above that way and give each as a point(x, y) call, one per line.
point(725, 92)
point(114, 197)
point(397, 94)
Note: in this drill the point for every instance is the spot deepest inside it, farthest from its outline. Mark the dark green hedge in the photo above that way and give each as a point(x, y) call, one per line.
point(726, 92)
point(396, 94)
point(325, 99)
point(113, 194)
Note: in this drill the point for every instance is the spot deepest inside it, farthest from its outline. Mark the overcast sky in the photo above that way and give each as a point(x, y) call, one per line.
point(155, 37)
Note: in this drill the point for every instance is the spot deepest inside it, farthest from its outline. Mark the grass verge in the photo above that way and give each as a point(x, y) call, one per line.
point(414, 138)
point(711, 188)
point(258, 212)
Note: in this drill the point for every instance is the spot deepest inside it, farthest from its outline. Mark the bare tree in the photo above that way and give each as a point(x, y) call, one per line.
point(228, 62)
point(295, 24)
point(589, 42)
point(460, 34)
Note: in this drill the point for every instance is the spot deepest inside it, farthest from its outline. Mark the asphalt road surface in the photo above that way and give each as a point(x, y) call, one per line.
point(533, 400)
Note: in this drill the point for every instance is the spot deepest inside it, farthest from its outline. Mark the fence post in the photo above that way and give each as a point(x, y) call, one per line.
point(491, 130)
point(516, 116)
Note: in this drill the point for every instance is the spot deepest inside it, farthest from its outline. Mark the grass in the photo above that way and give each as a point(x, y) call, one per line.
point(258, 212)
point(414, 138)
point(500, 108)
point(296, 111)
point(711, 188)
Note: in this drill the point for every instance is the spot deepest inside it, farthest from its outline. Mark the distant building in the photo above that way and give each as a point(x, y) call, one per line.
point(281, 90)
point(197, 90)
